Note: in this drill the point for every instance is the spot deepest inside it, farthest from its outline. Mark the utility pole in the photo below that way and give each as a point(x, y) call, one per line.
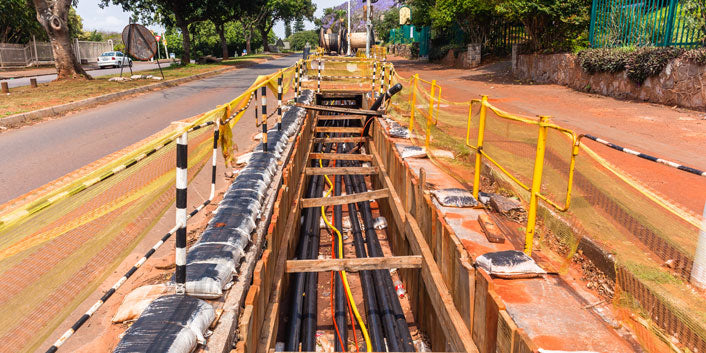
point(349, 29)
point(368, 27)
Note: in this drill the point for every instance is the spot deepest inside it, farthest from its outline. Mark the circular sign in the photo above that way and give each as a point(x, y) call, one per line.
point(139, 41)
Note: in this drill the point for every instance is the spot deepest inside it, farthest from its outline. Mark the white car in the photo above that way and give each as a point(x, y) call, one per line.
point(114, 59)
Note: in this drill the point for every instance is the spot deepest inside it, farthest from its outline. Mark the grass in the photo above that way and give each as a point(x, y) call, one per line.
point(26, 99)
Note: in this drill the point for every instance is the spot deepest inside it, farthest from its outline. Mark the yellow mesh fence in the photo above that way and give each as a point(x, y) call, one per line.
point(58, 243)
point(652, 234)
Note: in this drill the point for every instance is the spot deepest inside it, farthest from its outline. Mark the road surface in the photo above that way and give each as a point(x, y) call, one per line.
point(35, 155)
point(136, 66)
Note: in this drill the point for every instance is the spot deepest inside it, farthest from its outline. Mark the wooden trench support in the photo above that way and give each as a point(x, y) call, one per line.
point(452, 302)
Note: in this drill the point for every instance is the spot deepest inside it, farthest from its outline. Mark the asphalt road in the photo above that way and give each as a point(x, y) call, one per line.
point(35, 155)
point(136, 66)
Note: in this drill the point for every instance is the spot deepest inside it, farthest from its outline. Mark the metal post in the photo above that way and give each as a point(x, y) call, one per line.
point(479, 149)
point(389, 78)
point(382, 78)
point(413, 103)
point(257, 109)
point(372, 85)
point(430, 116)
point(216, 132)
point(264, 118)
point(181, 183)
point(301, 76)
point(368, 27)
point(349, 28)
point(592, 28)
point(279, 101)
point(318, 81)
point(536, 185)
point(698, 271)
point(296, 80)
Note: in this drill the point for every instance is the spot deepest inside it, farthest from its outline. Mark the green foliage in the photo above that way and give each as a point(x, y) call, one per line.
point(299, 39)
point(75, 24)
point(696, 56)
point(695, 19)
point(390, 19)
point(553, 25)
point(639, 63)
point(206, 41)
point(439, 52)
point(298, 25)
point(18, 22)
point(604, 59)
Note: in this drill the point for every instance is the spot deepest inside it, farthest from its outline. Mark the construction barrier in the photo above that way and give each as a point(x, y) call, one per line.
point(652, 236)
point(60, 242)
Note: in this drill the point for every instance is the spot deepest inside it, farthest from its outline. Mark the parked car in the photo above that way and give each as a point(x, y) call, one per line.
point(114, 59)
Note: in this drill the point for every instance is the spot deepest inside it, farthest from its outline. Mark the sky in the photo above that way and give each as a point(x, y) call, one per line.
point(113, 19)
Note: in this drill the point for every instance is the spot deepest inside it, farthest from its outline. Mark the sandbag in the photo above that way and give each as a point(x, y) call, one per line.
point(237, 238)
point(509, 264)
point(455, 197)
point(172, 323)
point(215, 253)
point(411, 151)
point(207, 280)
point(137, 301)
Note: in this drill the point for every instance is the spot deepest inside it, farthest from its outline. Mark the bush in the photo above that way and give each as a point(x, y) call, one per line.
point(639, 63)
point(696, 56)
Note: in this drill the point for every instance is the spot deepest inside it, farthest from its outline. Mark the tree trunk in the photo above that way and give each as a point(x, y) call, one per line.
point(54, 20)
point(222, 35)
point(248, 36)
point(185, 40)
point(263, 33)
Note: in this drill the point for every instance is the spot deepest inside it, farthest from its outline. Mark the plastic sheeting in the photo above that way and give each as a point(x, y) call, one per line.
point(455, 198)
point(509, 264)
point(171, 323)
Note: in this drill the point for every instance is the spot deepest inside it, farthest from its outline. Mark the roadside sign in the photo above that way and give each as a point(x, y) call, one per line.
point(139, 41)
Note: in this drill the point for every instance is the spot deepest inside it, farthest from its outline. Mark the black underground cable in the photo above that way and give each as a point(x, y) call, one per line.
point(375, 250)
point(340, 303)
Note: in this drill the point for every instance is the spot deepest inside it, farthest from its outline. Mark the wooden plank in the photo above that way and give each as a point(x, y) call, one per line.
point(340, 117)
point(490, 229)
point(349, 130)
point(506, 333)
point(339, 139)
point(522, 343)
point(344, 200)
point(341, 170)
point(324, 108)
point(448, 316)
point(342, 156)
point(354, 264)
point(480, 306)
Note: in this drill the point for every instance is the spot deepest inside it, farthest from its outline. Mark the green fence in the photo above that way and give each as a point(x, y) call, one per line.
point(410, 34)
point(616, 23)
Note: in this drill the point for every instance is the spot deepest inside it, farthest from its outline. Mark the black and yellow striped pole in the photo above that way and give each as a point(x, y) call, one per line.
point(264, 118)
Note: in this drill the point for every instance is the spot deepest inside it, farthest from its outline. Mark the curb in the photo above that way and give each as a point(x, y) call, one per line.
point(14, 120)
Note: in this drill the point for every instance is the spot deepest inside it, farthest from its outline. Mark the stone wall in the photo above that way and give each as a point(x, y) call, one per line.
point(463, 60)
point(680, 83)
point(403, 50)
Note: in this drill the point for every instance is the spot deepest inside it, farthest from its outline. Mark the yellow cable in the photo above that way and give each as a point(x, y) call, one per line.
point(368, 346)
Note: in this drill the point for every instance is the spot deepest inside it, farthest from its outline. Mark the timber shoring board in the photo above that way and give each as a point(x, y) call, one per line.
point(332, 129)
point(341, 156)
point(339, 139)
point(354, 264)
point(325, 108)
point(340, 117)
point(345, 199)
point(341, 170)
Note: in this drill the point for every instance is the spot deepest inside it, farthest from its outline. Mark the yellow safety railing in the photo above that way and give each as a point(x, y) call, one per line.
point(432, 115)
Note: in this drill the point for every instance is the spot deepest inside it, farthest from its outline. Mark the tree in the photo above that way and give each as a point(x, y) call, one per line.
point(298, 25)
point(177, 13)
point(390, 20)
point(54, 18)
point(287, 28)
point(18, 22)
point(299, 39)
point(552, 25)
point(273, 10)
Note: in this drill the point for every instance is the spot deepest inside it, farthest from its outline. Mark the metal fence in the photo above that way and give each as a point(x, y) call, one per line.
point(33, 53)
point(410, 34)
point(616, 23)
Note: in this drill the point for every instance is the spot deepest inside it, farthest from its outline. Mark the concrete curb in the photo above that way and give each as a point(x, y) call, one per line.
point(18, 119)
